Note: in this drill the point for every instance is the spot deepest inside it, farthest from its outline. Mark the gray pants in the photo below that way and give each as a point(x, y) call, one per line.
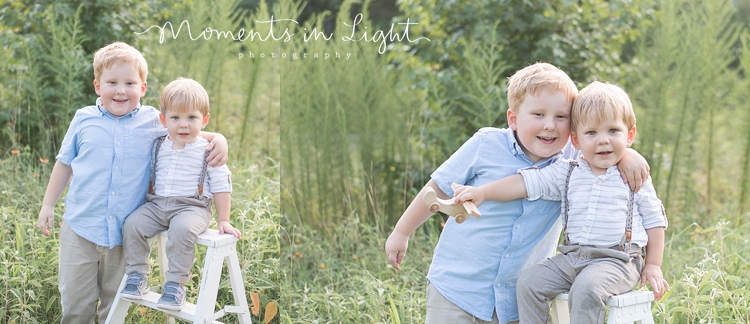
point(87, 272)
point(589, 274)
point(183, 218)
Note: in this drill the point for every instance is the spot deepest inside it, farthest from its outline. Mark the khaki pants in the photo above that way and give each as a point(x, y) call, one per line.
point(441, 310)
point(87, 271)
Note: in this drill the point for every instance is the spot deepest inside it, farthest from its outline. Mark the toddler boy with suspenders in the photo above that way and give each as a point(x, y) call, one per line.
point(177, 201)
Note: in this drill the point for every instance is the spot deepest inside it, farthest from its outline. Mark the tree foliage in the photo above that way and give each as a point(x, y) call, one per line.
point(584, 38)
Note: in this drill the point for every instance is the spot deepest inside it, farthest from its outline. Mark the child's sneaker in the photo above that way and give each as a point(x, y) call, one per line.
point(172, 296)
point(135, 286)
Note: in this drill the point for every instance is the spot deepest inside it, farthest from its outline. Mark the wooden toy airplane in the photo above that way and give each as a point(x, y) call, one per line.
point(460, 212)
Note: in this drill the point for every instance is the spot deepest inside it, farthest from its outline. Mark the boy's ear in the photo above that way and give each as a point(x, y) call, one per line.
point(512, 120)
point(143, 89)
point(96, 87)
point(163, 120)
point(574, 140)
point(631, 136)
point(205, 120)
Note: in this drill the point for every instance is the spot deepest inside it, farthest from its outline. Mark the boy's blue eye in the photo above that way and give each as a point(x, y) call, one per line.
point(613, 130)
point(591, 133)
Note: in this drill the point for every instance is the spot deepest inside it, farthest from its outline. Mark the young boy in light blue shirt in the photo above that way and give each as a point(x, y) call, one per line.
point(475, 265)
point(105, 157)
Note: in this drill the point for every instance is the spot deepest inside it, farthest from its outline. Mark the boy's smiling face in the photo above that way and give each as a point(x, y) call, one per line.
point(183, 126)
point(121, 88)
point(542, 124)
point(603, 144)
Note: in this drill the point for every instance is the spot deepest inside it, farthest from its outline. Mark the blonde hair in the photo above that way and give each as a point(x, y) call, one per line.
point(535, 78)
point(119, 52)
point(598, 102)
point(183, 95)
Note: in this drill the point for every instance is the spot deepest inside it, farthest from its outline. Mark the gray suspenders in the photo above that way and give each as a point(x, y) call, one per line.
point(155, 158)
point(625, 241)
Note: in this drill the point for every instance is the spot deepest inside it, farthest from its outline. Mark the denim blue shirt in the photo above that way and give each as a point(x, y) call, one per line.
point(475, 264)
point(110, 160)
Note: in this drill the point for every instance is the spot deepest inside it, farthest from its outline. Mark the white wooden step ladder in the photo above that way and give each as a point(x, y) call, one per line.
point(631, 307)
point(221, 247)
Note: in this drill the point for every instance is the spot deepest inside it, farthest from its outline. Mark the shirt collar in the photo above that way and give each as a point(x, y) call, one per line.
point(610, 171)
point(515, 148)
point(104, 112)
point(168, 143)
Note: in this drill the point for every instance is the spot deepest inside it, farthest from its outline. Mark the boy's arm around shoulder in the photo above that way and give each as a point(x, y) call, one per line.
point(218, 146)
point(633, 169)
point(414, 216)
point(58, 180)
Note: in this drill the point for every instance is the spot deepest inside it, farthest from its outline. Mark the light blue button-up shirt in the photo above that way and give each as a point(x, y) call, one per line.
point(475, 263)
point(110, 160)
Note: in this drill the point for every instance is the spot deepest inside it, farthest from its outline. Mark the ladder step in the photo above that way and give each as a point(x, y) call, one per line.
point(187, 313)
point(211, 238)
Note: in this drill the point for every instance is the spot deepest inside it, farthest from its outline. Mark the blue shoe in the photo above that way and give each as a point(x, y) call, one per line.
point(172, 296)
point(135, 286)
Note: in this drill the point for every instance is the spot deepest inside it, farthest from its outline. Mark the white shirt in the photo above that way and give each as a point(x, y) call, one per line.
point(598, 204)
point(178, 171)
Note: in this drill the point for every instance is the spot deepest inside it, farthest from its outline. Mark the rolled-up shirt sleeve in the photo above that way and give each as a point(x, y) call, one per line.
point(650, 206)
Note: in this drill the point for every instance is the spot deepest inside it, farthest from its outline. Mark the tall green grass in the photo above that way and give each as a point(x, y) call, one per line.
point(688, 93)
point(346, 128)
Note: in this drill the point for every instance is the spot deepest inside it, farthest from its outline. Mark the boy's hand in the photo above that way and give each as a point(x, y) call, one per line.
point(395, 248)
point(462, 194)
point(652, 275)
point(225, 227)
point(46, 219)
point(219, 150)
point(633, 169)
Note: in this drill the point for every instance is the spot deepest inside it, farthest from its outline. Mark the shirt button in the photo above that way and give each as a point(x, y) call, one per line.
point(116, 168)
point(507, 256)
point(597, 182)
point(518, 226)
point(113, 193)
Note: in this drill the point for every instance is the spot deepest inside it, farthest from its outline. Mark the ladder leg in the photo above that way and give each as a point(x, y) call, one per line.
point(560, 311)
point(120, 306)
point(209, 288)
point(238, 287)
